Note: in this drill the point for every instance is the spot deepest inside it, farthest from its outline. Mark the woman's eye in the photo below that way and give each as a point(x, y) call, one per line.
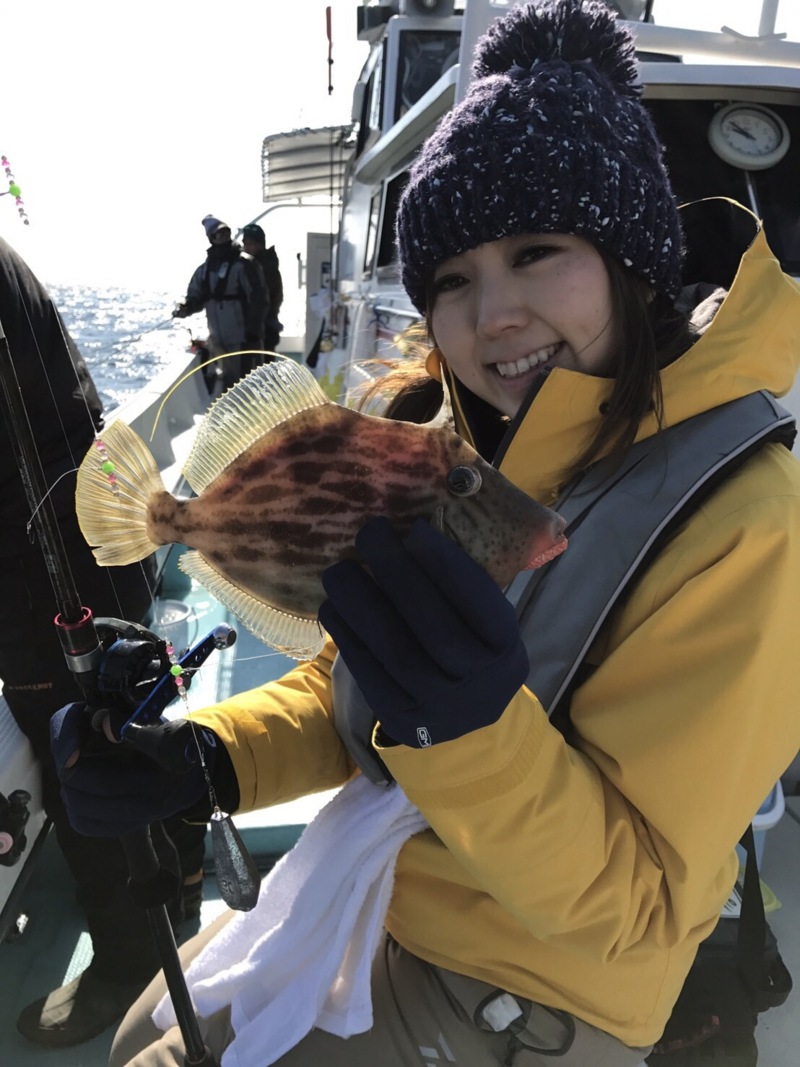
point(447, 283)
point(463, 481)
point(533, 254)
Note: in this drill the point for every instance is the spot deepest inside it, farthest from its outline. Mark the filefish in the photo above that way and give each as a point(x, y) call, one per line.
point(284, 478)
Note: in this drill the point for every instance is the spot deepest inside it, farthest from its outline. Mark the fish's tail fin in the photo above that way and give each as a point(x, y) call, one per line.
point(116, 480)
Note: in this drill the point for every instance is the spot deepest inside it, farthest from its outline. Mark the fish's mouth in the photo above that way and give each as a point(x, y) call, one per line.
point(556, 549)
point(559, 545)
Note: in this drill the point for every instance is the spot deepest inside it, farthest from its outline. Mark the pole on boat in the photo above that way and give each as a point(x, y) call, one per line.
point(330, 48)
point(84, 654)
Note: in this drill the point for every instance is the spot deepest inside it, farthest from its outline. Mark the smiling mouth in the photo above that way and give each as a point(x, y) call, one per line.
point(520, 367)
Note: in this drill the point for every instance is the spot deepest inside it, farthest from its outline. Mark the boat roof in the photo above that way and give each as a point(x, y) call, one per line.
point(304, 164)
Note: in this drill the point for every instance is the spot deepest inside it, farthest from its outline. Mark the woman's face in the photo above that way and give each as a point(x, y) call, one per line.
point(508, 310)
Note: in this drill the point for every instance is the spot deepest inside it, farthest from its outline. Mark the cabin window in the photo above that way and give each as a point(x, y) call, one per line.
point(386, 247)
point(372, 233)
point(369, 127)
point(696, 173)
point(424, 57)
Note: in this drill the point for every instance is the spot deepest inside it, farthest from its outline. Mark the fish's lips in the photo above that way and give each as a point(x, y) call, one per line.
point(559, 545)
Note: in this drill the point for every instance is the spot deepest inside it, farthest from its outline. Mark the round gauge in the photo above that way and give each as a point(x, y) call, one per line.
point(749, 136)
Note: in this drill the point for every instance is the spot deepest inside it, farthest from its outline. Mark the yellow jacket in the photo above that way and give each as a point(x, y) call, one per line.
point(584, 876)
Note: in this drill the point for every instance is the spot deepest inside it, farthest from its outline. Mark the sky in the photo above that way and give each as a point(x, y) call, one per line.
point(126, 122)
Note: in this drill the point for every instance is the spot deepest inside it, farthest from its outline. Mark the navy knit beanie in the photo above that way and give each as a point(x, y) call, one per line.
point(550, 138)
point(211, 224)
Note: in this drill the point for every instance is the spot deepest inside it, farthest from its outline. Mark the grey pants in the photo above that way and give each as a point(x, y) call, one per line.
point(424, 1016)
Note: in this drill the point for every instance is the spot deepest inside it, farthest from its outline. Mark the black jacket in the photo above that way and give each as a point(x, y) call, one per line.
point(59, 395)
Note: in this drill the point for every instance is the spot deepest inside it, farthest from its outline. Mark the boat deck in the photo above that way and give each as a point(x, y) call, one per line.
point(53, 946)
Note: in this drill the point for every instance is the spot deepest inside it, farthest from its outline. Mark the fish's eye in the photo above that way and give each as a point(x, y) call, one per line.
point(463, 481)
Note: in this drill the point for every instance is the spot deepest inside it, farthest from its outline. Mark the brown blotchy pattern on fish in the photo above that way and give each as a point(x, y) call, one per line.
point(292, 504)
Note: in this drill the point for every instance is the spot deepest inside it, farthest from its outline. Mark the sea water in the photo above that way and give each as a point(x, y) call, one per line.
point(126, 336)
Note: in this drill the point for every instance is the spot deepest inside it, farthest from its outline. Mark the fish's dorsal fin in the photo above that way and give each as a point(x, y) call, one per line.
point(294, 636)
point(257, 403)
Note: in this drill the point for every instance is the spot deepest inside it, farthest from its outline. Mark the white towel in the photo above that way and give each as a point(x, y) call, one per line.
point(302, 957)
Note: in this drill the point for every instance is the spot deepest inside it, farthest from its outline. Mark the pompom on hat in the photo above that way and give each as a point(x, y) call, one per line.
point(550, 138)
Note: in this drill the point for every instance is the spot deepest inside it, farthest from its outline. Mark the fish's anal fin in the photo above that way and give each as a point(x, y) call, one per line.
point(267, 397)
point(294, 636)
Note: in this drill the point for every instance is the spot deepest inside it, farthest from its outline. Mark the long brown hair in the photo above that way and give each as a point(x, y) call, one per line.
point(651, 333)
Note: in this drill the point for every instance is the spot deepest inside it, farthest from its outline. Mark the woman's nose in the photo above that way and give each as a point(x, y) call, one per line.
point(500, 307)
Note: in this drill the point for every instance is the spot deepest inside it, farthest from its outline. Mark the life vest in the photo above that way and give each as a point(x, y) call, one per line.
point(618, 517)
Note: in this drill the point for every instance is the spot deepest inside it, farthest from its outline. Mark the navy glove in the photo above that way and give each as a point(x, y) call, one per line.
point(430, 639)
point(114, 789)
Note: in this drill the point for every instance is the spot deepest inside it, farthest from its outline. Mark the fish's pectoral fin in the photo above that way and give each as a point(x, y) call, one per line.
point(300, 638)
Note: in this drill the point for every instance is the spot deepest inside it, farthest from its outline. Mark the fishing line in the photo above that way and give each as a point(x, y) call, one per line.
point(29, 524)
point(139, 336)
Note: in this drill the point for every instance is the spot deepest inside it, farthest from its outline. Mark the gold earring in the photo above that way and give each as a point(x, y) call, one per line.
point(434, 364)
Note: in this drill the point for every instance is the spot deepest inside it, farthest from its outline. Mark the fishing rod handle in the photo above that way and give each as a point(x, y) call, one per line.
point(151, 886)
point(197, 1052)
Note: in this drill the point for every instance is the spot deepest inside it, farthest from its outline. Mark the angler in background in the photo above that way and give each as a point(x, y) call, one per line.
point(254, 242)
point(231, 288)
point(551, 907)
point(64, 411)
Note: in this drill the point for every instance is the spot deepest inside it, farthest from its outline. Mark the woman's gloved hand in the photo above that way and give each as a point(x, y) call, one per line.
point(114, 789)
point(429, 637)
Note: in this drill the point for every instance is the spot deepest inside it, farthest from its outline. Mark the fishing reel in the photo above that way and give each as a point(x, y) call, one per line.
point(139, 674)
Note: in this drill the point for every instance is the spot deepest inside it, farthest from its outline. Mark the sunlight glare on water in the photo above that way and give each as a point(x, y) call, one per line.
point(125, 336)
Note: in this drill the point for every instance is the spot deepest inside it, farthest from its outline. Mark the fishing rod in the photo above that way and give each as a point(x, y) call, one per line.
point(88, 648)
point(150, 329)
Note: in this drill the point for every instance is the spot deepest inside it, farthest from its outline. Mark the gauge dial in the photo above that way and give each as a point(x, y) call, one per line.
point(749, 136)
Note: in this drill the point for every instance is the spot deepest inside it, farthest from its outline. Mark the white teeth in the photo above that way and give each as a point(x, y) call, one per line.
point(521, 366)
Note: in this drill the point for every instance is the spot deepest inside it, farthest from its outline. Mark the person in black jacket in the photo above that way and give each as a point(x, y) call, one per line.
point(64, 412)
point(254, 242)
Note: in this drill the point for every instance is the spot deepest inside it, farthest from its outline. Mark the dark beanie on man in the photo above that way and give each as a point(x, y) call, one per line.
point(211, 224)
point(550, 138)
point(253, 232)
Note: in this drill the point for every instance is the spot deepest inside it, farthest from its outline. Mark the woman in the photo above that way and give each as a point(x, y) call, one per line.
point(556, 903)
